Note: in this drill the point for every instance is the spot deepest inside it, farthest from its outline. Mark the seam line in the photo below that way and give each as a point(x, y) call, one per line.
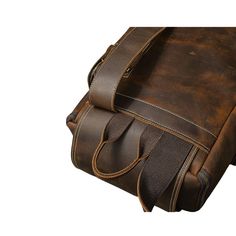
point(202, 128)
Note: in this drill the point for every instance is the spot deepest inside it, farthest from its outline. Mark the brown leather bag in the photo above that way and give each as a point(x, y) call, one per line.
point(159, 120)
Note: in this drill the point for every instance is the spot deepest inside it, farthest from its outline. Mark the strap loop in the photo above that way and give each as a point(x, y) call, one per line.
point(114, 130)
point(126, 53)
point(147, 142)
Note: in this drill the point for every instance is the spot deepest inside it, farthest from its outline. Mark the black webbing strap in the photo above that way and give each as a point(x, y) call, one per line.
point(160, 169)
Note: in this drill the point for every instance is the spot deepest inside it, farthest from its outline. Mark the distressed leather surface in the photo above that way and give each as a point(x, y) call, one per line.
point(191, 73)
point(131, 47)
point(185, 85)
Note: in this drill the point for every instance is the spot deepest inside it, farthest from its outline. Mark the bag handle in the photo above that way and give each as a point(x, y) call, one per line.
point(127, 52)
point(147, 141)
point(113, 131)
point(162, 154)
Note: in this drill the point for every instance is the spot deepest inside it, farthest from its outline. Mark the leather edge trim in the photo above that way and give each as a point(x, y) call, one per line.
point(204, 179)
point(75, 136)
point(222, 131)
point(127, 33)
point(216, 158)
point(180, 178)
point(169, 112)
point(181, 133)
point(72, 118)
point(173, 132)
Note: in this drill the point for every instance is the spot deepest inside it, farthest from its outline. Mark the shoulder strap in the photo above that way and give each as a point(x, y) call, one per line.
point(128, 51)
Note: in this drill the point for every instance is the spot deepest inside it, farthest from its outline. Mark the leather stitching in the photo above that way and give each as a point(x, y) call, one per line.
point(104, 61)
point(206, 149)
point(140, 180)
point(114, 89)
point(220, 132)
point(180, 178)
point(130, 62)
point(76, 135)
point(174, 114)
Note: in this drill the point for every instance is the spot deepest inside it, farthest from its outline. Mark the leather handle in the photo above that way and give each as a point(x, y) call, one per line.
point(116, 174)
point(129, 49)
point(114, 130)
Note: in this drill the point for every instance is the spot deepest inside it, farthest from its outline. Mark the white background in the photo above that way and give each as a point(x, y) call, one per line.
point(46, 50)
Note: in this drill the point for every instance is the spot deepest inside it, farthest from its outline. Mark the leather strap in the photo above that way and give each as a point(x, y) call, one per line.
point(127, 52)
point(87, 136)
point(160, 169)
point(114, 130)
